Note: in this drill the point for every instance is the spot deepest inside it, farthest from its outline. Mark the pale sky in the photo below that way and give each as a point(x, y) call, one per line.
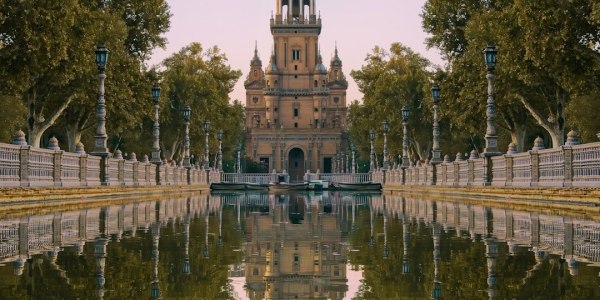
point(356, 25)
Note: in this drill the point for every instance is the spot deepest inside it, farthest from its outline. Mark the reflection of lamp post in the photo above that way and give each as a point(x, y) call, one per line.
point(436, 292)
point(405, 144)
point(155, 287)
point(491, 139)
point(220, 153)
point(372, 154)
point(386, 251)
point(206, 214)
point(156, 128)
point(206, 129)
point(435, 151)
point(100, 148)
point(491, 253)
point(186, 242)
point(187, 112)
point(405, 236)
point(100, 255)
point(386, 163)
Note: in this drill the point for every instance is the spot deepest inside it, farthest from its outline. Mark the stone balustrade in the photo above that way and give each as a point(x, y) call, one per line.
point(25, 166)
point(572, 165)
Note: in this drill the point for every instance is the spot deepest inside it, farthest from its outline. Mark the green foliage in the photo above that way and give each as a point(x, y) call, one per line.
point(203, 80)
point(548, 55)
point(390, 81)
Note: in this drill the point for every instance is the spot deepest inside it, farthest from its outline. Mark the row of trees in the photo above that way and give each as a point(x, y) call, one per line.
point(49, 78)
point(547, 77)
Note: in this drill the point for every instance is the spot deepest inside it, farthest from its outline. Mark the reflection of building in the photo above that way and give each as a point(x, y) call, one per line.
point(296, 108)
point(296, 250)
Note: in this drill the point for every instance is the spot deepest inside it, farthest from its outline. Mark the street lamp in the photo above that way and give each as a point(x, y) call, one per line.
point(220, 153)
point(353, 168)
point(206, 129)
point(372, 154)
point(386, 163)
point(491, 139)
point(100, 148)
point(435, 151)
point(405, 115)
point(187, 112)
point(156, 128)
point(239, 166)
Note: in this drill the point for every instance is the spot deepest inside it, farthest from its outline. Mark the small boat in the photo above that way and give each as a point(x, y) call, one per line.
point(237, 186)
point(256, 186)
point(318, 185)
point(288, 186)
point(227, 186)
point(362, 186)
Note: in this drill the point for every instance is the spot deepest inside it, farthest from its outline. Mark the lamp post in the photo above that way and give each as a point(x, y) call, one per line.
point(220, 153)
point(206, 129)
point(353, 158)
point(100, 148)
point(491, 139)
point(239, 166)
point(187, 112)
point(386, 163)
point(436, 153)
point(372, 154)
point(156, 128)
point(405, 144)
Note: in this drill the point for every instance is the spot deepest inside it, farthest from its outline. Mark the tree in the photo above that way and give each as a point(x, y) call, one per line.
point(47, 66)
point(548, 55)
point(202, 80)
point(389, 81)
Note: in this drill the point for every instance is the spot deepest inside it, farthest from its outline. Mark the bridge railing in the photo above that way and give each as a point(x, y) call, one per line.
point(565, 166)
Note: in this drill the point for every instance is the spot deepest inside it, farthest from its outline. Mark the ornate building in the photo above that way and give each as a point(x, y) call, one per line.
point(296, 107)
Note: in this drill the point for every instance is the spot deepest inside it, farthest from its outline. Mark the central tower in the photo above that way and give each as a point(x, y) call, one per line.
point(296, 107)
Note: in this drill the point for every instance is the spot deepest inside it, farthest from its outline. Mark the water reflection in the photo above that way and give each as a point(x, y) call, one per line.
point(299, 246)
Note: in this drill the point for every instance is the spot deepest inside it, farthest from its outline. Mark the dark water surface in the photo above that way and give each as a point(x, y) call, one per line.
point(299, 246)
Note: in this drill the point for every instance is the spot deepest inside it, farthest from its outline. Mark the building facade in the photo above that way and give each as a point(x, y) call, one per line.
point(296, 106)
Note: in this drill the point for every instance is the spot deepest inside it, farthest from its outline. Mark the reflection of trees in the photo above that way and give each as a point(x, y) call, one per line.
point(463, 266)
point(128, 266)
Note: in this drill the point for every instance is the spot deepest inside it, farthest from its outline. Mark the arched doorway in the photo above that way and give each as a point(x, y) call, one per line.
point(296, 164)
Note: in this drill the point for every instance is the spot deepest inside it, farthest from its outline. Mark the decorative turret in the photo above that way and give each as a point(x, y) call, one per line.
point(256, 76)
point(320, 67)
point(447, 159)
point(272, 67)
point(474, 155)
point(336, 75)
point(118, 154)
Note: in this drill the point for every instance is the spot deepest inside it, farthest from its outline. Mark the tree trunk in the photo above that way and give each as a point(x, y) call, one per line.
point(73, 137)
point(36, 122)
point(553, 124)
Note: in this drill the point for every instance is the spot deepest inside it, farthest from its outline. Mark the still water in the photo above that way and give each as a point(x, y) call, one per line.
point(298, 246)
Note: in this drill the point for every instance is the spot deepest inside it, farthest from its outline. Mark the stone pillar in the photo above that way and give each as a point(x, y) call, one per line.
point(136, 168)
point(121, 168)
point(538, 144)
point(568, 165)
point(53, 145)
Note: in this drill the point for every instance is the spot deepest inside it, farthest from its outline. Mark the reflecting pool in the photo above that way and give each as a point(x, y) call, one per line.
point(302, 245)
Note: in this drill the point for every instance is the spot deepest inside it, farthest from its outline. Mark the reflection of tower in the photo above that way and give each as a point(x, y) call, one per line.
point(155, 292)
point(436, 292)
point(569, 248)
point(295, 249)
point(100, 255)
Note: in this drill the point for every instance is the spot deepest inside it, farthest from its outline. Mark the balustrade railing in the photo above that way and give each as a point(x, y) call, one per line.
point(576, 165)
point(22, 165)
